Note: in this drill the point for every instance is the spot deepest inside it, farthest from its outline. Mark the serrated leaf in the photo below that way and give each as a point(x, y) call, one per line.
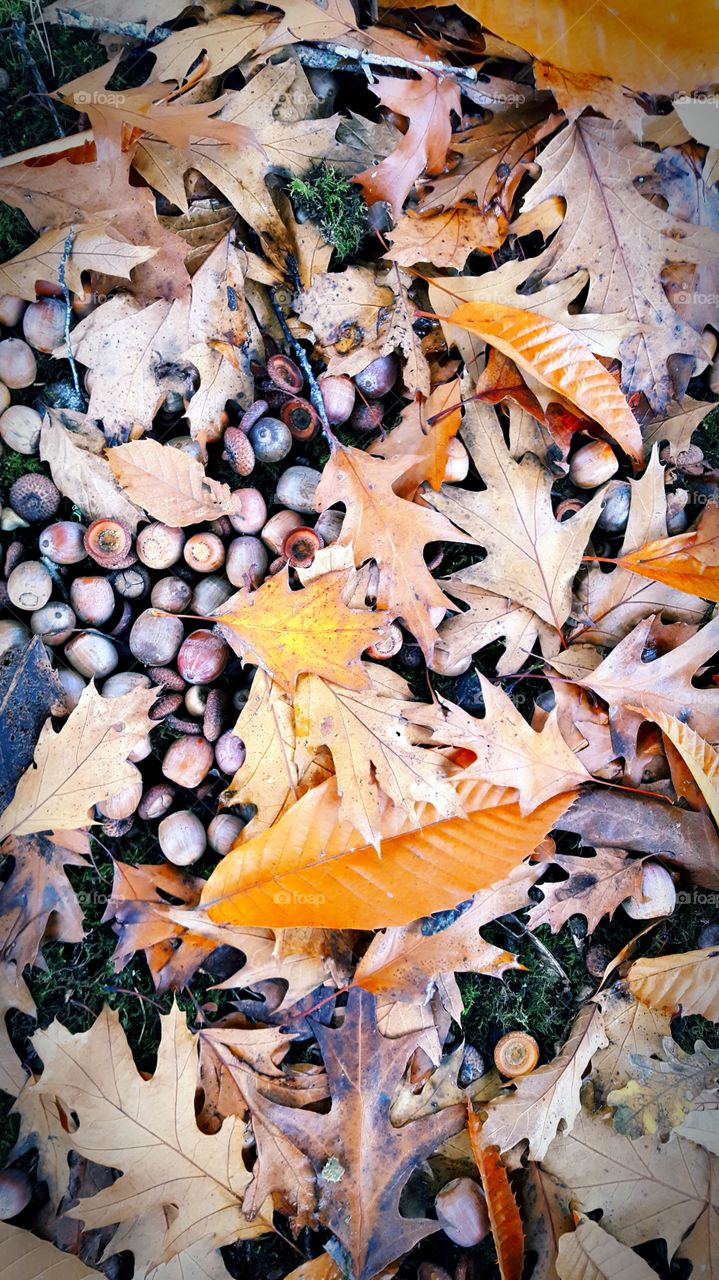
point(661, 1092)
point(688, 981)
point(171, 486)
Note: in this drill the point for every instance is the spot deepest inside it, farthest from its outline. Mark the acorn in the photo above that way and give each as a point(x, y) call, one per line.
point(204, 552)
point(386, 645)
point(43, 324)
point(223, 832)
point(185, 444)
point(132, 583)
point(154, 640)
point(378, 377)
point(20, 429)
point(297, 488)
point(156, 801)
point(300, 547)
point(516, 1054)
point(54, 623)
point(229, 753)
point(457, 465)
point(329, 525)
point(182, 837)
point(12, 633)
point(251, 415)
point(285, 374)
point(63, 542)
point(238, 451)
point(593, 464)
point(159, 546)
point(92, 655)
point(302, 419)
point(210, 595)
point(615, 508)
point(108, 542)
point(366, 417)
point(11, 309)
point(124, 682)
point(167, 678)
point(270, 439)
point(247, 562)
point(34, 497)
point(93, 600)
point(214, 715)
point(462, 1212)
point(658, 895)
point(251, 511)
point(196, 699)
point(29, 586)
point(338, 397)
point(18, 367)
point(188, 760)
point(124, 803)
point(171, 595)
point(203, 657)
point(72, 686)
point(278, 528)
point(15, 1193)
point(221, 527)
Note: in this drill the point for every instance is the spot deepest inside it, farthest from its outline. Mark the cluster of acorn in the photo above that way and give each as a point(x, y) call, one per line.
point(93, 592)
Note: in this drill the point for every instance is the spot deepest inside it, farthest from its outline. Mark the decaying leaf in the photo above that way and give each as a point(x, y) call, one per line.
point(81, 765)
point(14, 994)
point(699, 756)
point(504, 1218)
point(37, 892)
point(593, 1254)
point(662, 1091)
point(92, 249)
point(595, 888)
point(171, 486)
point(29, 692)
point(688, 982)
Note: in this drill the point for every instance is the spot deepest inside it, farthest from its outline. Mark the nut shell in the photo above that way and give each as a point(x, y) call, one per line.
point(300, 547)
point(462, 1212)
point(18, 367)
point(156, 801)
point(223, 831)
point(271, 440)
point(159, 546)
point(43, 324)
point(285, 373)
point(54, 623)
point(154, 640)
point(92, 655)
point(63, 542)
point(378, 377)
point(301, 417)
point(20, 429)
point(93, 600)
point(203, 657)
point(29, 586)
point(247, 562)
point(297, 488)
point(593, 464)
point(214, 715)
point(172, 595)
point(108, 542)
point(182, 838)
point(251, 511)
point(658, 896)
point(204, 552)
point(229, 753)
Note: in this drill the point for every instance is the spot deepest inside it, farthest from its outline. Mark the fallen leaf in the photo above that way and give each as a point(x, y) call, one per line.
point(446, 237)
point(24, 1257)
point(504, 1219)
point(82, 765)
point(492, 617)
point(29, 692)
point(428, 440)
point(700, 758)
point(83, 476)
point(92, 249)
point(590, 1252)
point(226, 40)
point(662, 1091)
point(702, 1126)
point(686, 561)
point(38, 891)
point(269, 776)
point(595, 888)
point(688, 981)
point(171, 485)
point(558, 358)
point(312, 869)
point(531, 557)
point(544, 1098)
point(383, 527)
point(292, 633)
point(14, 994)
point(546, 1217)
point(574, 93)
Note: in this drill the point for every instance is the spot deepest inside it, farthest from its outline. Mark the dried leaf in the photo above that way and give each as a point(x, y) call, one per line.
point(589, 1253)
point(662, 1091)
point(226, 41)
point(93, 249)
point(14, 994)
point(687, 561)
point(559, 359)
point(81, 475)
point(171, 486)
point(543, 1099)
point(82, 765)
point(700, 758)
point(702, 1126)
point(24, 1257)
point(269, 776)
point(546, 1217)
point(504, 1218)
point(311, 869)
point(38, 891)
point(595, 888)
point(29, 692)
point(688, 982)
point(492, 617)
point(417, 434)
point(446, 237)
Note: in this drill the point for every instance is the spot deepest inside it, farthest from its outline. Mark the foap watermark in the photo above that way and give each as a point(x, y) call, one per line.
point(284, 898)
point(697, 898)
point(99, 98)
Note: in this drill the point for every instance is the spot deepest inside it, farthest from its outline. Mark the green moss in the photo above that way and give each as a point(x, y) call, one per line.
point(15, 232)
point(707, 437)
point(60, 55)
point(335, 204)
point(12, 466)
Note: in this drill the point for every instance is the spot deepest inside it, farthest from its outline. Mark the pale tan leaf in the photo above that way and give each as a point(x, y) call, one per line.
point(14, 994)
point(492, 617)
point(590, 1253)
point(24, 1257)
point(83, 476)
point(172, 486)
point(226, 41)
point(269, 776)
point(662, 1091)
point(632, 1028)
point(702, 1126)
point(93, 249)
point(595, 888)
point(83, 764)
point(688, 981)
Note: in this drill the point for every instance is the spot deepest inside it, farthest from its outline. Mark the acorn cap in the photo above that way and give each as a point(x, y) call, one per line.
point(516, 1054)
point(238, 451)
point(34, 497)
point(108, 542)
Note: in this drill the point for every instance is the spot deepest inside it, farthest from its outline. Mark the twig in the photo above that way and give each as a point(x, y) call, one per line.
point(67, 249)
point(550, 960)
point(18, 28)
point(315, 393)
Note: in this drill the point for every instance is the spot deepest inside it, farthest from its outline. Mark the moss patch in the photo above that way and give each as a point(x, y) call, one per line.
point(335, 204)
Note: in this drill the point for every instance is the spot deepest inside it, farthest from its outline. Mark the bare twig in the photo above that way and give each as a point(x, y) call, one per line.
point(18, 28)
point(67, 250)
point(550, 961)
point(303, 362)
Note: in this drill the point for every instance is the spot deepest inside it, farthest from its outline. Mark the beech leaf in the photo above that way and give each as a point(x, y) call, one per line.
point(504, 1218)
point(24, 1257)
point(171, 486)
point(688, 982)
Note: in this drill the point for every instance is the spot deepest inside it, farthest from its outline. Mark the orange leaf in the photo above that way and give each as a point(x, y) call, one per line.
point(425, 429)
point(688, 561)
point(502, 1208)
point(558, 358)
point(312, 869)
point(290, 633)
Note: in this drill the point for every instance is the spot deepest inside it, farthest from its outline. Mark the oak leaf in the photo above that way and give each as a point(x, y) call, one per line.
point(171, 485)
point(608, 605)
point(24, 1257)
point(699, 756)
point(83, 764)
point(428, 103)
point(558, 358)
point(687, 561)
point(645, 1188)
point(625, 681)
point(633, 1030)
point(80, 472)
point(93, 249)
point(531, 557)
point(540, 1101)
point(30, 691)
point(595, 888)
point(226, 40)
point(312, 869)
point(574, 92)
point(428, 440)
point(594, 165)
point(147, 1129)
point(38, 892)
point(355, 1138)
point(702, 1126)
point(269, 776)
point(507, 750)
point(446, 237)
point(590, 1252)
point(504, 1218)
point(675, 426)
point(546, 1217)
point(491, 617)
point(661, 1091)
point(688, 981)
point(307, 20)
point(292, 633)
point(14, 994)
point(383, 527)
